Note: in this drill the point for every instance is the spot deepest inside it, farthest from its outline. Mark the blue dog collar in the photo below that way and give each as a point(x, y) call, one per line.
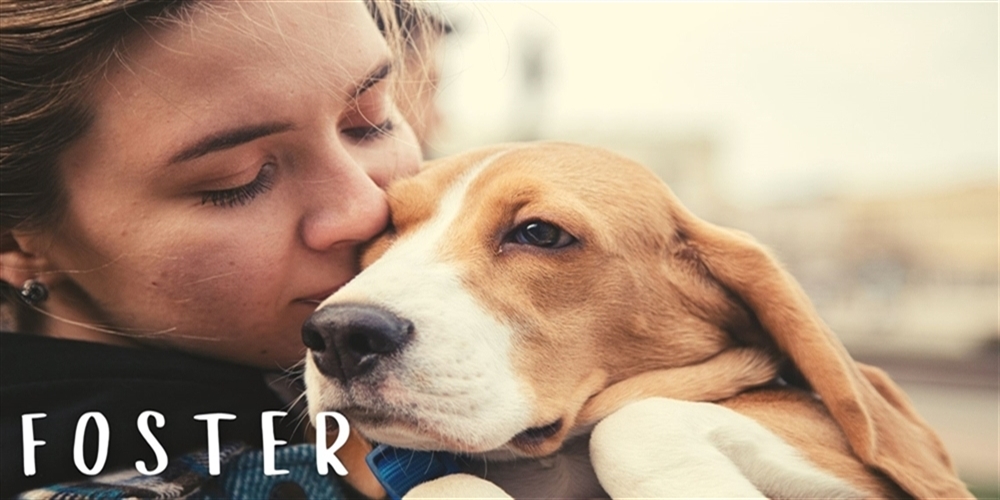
point(399, 469)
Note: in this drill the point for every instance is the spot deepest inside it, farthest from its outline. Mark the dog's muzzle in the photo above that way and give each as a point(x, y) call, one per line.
point(349, 340)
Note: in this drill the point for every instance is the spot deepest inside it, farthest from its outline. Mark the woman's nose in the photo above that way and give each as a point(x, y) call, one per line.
point(344, 213)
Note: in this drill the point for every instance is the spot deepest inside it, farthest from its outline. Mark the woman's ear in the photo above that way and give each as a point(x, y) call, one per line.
point(20, 259)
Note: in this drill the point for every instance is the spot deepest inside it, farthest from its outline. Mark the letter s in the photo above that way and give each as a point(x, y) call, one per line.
point(161, 454)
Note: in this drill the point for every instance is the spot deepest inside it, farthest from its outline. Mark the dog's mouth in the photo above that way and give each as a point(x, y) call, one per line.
point(532, 441)
point(534, 437)
point(368, 417)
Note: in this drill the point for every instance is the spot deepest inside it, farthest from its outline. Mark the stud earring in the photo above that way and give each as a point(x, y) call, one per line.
point(34, 292)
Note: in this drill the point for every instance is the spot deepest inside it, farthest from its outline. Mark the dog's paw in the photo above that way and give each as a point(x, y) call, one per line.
point(457, 486)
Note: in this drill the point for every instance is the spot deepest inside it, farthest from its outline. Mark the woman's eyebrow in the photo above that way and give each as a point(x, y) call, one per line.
point(228, 139)
point(240, 135)
point(381, 72)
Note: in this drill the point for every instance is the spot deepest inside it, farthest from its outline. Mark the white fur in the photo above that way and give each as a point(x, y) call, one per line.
point(655, 448)
point(456, 381)
point(661, 447)
point(455, 378)
point(457, 486)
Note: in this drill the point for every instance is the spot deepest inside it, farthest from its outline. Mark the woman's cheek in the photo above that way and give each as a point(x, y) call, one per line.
point(213, 283)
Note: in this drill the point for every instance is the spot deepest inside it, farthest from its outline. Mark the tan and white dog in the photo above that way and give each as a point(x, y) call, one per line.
point(554, 311)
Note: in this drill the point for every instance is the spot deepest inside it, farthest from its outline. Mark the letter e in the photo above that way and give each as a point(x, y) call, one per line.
point(267, 433)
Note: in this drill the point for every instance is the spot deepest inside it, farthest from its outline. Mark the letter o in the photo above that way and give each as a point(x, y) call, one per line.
point(103, 434)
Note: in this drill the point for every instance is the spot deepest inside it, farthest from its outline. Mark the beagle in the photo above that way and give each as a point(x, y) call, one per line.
point(554, 312)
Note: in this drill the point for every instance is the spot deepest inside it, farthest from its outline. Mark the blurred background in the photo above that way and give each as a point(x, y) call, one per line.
point(858, 141)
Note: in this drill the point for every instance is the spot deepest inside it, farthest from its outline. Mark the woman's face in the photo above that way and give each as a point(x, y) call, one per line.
point(235, 163)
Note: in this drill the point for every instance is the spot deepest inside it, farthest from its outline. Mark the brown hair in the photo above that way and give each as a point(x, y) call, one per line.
point(51, 53)
point(414, 35)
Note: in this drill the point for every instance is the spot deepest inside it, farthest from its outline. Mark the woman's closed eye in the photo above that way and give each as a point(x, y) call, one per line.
point(241, 195)
point(370, 132)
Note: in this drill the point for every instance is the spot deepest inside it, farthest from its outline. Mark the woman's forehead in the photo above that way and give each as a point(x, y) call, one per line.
point(232, 61)
point(308, 37)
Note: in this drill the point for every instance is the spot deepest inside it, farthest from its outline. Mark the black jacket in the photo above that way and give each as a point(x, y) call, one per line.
point(65, 379)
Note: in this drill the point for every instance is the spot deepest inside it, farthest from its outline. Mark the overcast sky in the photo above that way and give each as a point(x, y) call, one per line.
point(797, 98)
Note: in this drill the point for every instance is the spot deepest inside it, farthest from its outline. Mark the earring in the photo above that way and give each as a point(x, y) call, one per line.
point(34, 292)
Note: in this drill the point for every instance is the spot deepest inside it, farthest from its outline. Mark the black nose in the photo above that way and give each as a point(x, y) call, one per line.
point(348, 340)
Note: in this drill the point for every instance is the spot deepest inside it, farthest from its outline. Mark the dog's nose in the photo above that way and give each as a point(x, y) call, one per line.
point(348, 340)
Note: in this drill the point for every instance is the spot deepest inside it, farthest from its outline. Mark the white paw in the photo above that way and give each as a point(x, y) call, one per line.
point(457, 486)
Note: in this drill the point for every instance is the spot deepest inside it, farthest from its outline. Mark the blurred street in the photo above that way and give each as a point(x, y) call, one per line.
point(960, 399)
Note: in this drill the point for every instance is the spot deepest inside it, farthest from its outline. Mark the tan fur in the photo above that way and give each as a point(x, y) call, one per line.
point(572, 317)
point(803, 422)
point(359, 476)
point(656, 302)
point(352, 455)
point(712, 380)
point(884, 430)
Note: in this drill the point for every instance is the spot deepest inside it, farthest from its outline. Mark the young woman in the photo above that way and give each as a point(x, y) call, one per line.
point(182, 182)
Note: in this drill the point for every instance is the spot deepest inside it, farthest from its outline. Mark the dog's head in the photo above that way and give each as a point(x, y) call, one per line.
point(518, 282)
point(515, 284)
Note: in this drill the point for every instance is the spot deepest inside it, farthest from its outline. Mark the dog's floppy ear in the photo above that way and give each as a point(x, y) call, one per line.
point(881, 425)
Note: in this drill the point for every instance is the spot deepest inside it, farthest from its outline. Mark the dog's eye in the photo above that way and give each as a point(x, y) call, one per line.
point(541, 234)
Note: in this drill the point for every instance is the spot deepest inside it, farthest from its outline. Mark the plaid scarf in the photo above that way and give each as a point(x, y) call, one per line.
point(187, 477)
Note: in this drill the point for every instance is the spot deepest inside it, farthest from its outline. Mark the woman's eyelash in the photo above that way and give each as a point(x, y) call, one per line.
point(370, 133)
point(244, 194)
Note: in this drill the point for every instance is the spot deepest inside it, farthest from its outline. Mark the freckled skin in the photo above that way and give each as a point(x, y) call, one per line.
point(141, 252)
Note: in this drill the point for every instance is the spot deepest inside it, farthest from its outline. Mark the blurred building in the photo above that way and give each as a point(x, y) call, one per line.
point(909, 274)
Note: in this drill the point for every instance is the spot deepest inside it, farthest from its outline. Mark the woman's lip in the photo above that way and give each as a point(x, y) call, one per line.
point(318, 298)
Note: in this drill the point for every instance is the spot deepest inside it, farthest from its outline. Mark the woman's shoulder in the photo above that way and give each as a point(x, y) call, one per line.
point(33, 358)
point(58, 391)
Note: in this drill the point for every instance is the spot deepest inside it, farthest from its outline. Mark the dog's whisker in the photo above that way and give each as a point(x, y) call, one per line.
point(292, 373)
point(301, 419)
point(296, 401)
point(595, 297)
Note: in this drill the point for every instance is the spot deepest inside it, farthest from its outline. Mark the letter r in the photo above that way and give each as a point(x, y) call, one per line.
point(325, 455)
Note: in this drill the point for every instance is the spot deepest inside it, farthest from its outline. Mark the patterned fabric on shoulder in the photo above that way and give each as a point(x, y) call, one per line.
point(188, 477)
